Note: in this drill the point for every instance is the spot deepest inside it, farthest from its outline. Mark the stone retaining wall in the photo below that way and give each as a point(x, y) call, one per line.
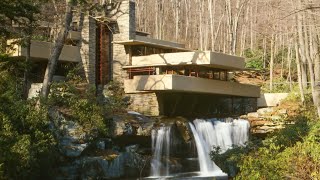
point(145, 103)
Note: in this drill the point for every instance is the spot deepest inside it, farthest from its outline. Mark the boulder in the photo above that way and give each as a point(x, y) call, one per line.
point(125, 164)
point(71, 136)
point(183, 128)
point(131, 124)
point(265, 111)
point(253, 115)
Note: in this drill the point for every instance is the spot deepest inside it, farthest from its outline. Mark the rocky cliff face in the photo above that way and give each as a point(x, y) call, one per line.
point(267, 120)
point(126, 153)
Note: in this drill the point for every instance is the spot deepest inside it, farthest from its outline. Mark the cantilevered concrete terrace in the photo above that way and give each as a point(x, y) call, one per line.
point(178, 83)
point(41, 51)
point(204, 58)
point(146, 41)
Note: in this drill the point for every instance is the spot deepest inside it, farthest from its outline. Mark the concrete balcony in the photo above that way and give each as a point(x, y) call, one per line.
point(74, 35)
point(41, 51)
point(177, 83)
point(205, 58)
point(146, 41)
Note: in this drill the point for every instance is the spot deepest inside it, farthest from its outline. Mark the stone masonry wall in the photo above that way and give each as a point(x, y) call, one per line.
point(88, 49)
point(146, 104)
point(125, 16)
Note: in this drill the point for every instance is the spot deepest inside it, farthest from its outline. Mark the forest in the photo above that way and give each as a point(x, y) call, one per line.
point(278, 36)
point(279, 39)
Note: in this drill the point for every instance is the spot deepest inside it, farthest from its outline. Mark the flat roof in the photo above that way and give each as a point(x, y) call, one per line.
point(146, 41)
point(197, 58)
point(180, 65)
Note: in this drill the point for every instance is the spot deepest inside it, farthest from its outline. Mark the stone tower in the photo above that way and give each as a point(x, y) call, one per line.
point(123, 29)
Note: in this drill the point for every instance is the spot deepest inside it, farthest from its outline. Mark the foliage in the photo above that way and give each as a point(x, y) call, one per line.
point(290, 153)
point(228, 160)
point(80, 104)
point(254, 59)
point(23, 13)
point(115, 97)
point(280, 85)
point(27, 147)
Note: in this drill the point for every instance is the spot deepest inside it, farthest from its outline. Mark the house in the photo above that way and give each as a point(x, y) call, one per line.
point(161, 77)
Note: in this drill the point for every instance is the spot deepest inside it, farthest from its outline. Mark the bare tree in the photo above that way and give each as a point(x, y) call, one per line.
point(57, 49)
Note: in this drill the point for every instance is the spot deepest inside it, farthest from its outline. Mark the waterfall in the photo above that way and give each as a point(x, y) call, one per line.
point(217, 133)
point(240, 131)
point(207, 167)
point(207, 134)
point(160, 149)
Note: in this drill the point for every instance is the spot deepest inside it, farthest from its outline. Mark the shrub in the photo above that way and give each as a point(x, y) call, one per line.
point(27, 147)
point(254, 59)
point(292, 153)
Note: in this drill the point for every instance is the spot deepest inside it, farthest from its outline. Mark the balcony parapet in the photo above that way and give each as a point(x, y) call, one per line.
point(41, 50)
point(203, 58)
point(177, 83)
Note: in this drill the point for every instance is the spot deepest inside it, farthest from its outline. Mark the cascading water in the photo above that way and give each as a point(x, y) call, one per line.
point(207, 167)
point(207, 134)
point(214, 133)
point(221, 134)
point(240, 135)
point(160, 149)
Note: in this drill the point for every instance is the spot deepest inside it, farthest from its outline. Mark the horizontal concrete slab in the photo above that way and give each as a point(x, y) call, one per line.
point(41, 50)
point(204, 58)
point(146, 41)
point(179, 83)
point(74, 35)
point(271, 99)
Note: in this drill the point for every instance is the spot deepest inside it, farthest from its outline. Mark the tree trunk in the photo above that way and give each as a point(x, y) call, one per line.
point(302, 51)
point(56, 51)
point(299, 72)
point(271, 62)
point(26, 69)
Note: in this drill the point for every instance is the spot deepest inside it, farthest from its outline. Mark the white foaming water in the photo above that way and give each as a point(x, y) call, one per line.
point(207, 167)
point(223, 134)
point(214, 133)
point(240, 133)
point(160, 149)
point(207, 134)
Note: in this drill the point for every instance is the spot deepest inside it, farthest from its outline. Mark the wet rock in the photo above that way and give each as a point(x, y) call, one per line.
point(132, 148)
point(183, 128)
point(71, 136)
point(132, 124)
point(101, 145)
point(123, 165)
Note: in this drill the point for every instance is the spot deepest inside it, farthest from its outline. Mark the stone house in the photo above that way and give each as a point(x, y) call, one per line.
point(161, 77)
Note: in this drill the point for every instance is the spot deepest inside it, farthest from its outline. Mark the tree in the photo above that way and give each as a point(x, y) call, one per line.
point(57, 49)
point(24, 15)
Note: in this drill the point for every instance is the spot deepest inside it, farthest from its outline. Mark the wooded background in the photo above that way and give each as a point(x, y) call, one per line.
point(281, 36)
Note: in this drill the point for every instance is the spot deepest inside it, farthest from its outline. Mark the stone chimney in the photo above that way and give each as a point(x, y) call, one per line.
point(124, 14)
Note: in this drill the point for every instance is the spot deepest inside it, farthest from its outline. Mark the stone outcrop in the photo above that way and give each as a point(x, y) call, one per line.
point(124, 164)
point(132, 124)
point(267, 120)
point(72, 139)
